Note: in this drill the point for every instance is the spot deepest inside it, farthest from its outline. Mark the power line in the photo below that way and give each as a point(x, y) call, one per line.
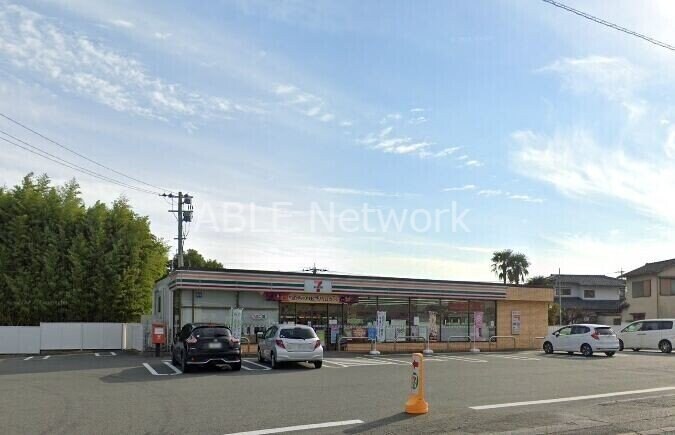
point(609, 24)
point(79, 154)
point(46, 155)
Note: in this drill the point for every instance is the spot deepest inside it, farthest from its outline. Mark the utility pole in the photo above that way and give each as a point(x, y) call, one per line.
point(314, 269)
point(184, 215)
point(560, 319)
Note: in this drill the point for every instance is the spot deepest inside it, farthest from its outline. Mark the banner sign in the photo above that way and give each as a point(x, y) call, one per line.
point(236, 322)
point(477, 323)
point(433, 326)
point(380, 325)
point(318, 286)
point(515, 322)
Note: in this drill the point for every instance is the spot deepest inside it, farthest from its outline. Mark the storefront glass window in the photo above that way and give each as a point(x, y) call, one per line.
point(455, 320)
point(359, 316)
point(482, 319)
point(425, 317)
point(286, 312)
point(398, 317)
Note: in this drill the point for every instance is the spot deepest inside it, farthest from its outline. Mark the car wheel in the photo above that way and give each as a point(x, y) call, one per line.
point(548, 347)
point(636, 349)
point(260, 356)
point(184, 367)
point(665, 346)
point(318, 364)
point(609, 353)
point(236, 367)
point(586, 350)
point(273, 361)
point(620, 345)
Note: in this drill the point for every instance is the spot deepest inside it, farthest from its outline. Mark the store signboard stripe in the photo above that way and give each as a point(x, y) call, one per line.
point(299, 427)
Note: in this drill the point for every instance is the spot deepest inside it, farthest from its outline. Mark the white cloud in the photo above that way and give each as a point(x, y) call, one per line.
point(122, 23)
point(349, 191)
point(417, 120)
point(285, 89)
point(306, 103)
point(460, 188)
point(473, 163)
point(669, 146)
point(577, 166)
point(326, 117)
point(160, 35)
point(31, 43)
point(390, 117)
point(462, 157)
point(489, 192)
point(346, 123)
point(417, 110)
point(614, 78)
point(525, 198)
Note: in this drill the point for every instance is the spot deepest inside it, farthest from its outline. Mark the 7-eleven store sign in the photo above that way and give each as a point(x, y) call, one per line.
point(318, 286)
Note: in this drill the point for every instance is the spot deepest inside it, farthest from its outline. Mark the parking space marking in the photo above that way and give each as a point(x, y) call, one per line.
point(299, 427)
point(458, 358)
point(262, 367)
point(101, 354)
point(29, 358)
point(168, 364)
point(387, 360)
point(517, 357)
point(570, 399)
point(355, 362)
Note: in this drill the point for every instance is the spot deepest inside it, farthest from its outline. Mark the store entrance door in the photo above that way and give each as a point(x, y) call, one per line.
point(314, 315)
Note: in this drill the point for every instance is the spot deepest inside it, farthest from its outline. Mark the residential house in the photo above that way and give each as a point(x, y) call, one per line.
point(650, 291)
point(589, 298)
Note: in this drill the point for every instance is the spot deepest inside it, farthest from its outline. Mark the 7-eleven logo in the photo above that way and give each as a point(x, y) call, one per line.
point(318, 286)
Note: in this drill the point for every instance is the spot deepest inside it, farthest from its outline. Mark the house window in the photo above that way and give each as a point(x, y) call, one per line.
point(159, 304)
point(564, 291)
point(589, 294)
point(667, 287)
point(638, 316)
point(642, 289)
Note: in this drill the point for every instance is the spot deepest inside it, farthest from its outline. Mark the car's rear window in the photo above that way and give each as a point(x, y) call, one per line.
point(297, 333)
point(211, 332)
point(604, 331)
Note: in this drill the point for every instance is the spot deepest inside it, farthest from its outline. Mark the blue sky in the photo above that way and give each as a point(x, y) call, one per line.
point(553, 135)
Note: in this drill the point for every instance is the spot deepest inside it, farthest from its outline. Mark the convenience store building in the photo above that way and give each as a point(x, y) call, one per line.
point(447, 313)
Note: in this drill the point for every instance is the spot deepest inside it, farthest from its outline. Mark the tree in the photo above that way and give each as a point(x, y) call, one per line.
point(540, 281)
point(554, 314)
point(61, 261)
point(192, 259)
point(517, 268)
point(500, 263)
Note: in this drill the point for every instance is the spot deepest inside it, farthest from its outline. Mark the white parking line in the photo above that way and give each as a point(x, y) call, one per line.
point(569, 399)
point(46, 357)
point(300, 427)
point(385, 360)
point(168, 364)
point(109, 354)
point(517, 357)
point(26, 359)
point(262, 367)
point(459, 358)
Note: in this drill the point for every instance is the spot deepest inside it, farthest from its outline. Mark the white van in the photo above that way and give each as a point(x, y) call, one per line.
point(648, 334)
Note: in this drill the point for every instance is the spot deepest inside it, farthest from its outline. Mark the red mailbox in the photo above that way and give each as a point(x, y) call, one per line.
point(158, 333)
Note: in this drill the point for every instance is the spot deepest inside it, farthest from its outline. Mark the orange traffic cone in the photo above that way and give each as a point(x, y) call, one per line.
point(416, 403)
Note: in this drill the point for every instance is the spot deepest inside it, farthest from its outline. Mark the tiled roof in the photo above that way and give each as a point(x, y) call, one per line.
point(651, 268)
point(590, 280)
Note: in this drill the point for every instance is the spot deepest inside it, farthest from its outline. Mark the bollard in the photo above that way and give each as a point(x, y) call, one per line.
point(373, 348)
point(416, 403)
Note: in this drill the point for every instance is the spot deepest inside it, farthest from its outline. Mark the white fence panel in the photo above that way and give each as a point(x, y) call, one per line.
point(101, 336)
point(19, 339)
point(133, 336)
point(60, 336)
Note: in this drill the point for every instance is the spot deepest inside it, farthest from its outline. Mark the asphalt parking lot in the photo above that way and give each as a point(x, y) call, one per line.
point(523, 392)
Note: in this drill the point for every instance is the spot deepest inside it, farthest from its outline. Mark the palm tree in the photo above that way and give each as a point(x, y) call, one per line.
point(500, 263)
point(517, 268)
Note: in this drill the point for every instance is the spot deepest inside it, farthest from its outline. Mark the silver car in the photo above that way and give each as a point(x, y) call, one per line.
point(290, 343)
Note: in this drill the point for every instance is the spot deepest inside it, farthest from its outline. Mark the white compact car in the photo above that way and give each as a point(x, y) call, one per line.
point(290, 343)
point(585, 338)
point(648, 334)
